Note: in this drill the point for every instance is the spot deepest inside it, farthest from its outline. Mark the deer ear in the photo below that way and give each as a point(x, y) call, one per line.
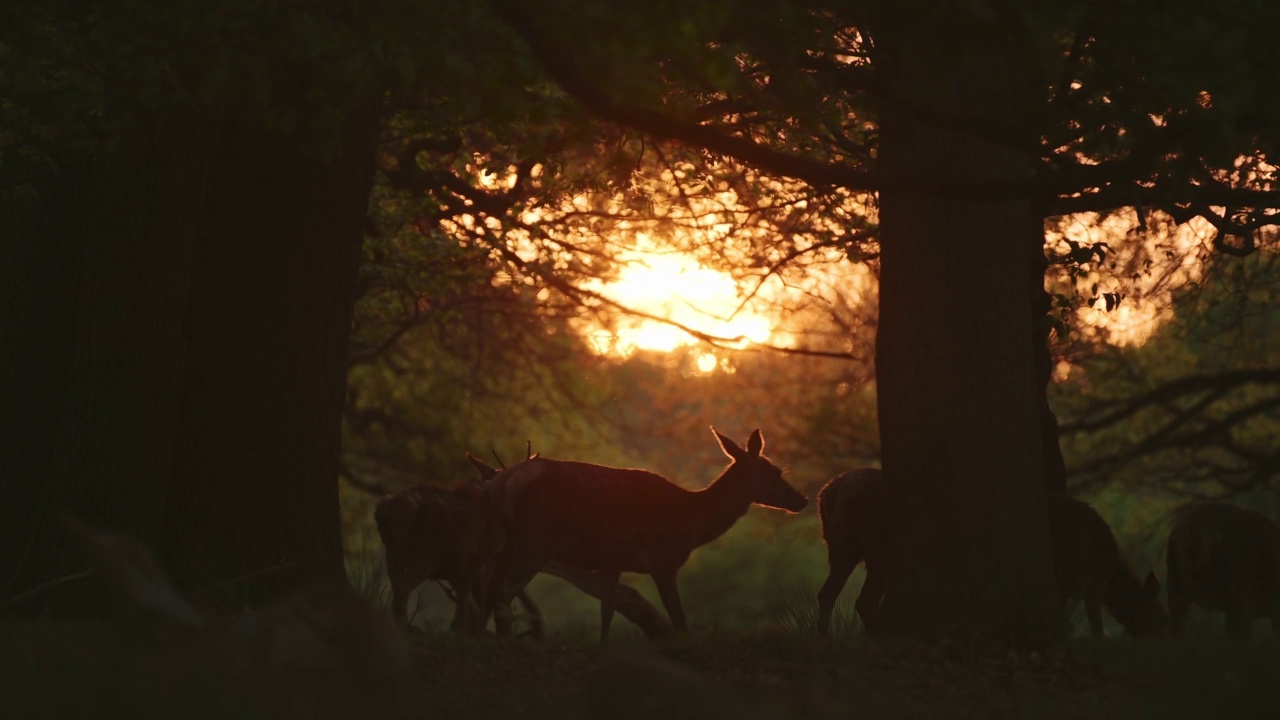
point(486, 471)
point(729, 447)
point(755, 443)
point(1152, 583)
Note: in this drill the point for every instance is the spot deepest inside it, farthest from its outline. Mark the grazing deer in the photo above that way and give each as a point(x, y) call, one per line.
point(1087, 561)
point(1088, 566)
point(1226, 559)
point(612, 520)
point(452, 534)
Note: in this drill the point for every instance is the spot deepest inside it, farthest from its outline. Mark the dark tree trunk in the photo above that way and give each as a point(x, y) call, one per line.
point(961, 395)
point(254, 481)
point(180, 315)
point(1055, 466)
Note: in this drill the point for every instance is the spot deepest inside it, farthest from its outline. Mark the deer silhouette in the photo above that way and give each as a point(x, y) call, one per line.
point(612, 520)
point(1226, 559)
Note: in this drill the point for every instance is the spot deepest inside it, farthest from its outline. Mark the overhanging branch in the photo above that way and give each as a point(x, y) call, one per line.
point(566, 73)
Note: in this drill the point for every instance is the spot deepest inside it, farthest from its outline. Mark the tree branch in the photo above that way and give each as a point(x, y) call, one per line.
point(566, 73)
point(1125, 408)
point(1119, 195)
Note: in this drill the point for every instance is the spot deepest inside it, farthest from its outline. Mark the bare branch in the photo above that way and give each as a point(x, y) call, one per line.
point(29, 596)
point(1122, 409)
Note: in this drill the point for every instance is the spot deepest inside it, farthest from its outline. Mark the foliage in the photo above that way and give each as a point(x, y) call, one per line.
point(1193, 411)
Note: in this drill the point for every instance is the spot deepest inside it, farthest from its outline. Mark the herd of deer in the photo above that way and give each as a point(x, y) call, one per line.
point(488, 538)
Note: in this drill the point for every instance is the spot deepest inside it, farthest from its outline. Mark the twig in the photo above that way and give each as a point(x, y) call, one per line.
point(36, 593)
point(248, 576)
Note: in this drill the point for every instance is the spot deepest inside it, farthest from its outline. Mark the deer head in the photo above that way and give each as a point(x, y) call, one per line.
point(1149, 615)
point(759, 479)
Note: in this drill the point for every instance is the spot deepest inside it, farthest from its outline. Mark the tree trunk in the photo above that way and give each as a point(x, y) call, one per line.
point(254, 481)
point(181, 313)
point(960, 397)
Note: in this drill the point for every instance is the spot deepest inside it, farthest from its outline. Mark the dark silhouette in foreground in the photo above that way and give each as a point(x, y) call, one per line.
point(322, 648)
point(1226, 559)
point(612, 520)
point(857, 527)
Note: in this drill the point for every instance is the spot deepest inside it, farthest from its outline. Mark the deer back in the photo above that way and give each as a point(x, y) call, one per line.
point(852, 509)
point(432, 532)
point(1220, 550)
point(592, 516)
point(622, 519)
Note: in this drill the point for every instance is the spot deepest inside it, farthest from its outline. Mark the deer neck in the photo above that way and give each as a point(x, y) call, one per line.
point(716, 508)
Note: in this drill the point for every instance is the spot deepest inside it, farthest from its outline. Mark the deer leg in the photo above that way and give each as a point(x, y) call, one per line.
point(535, 615)
point(1239, 621)
point(468, 616)
point(841, 568)
point(1179, 606)
point(868, 602)
point(1176, 592)
point(521, 573)
point(608, 584)
point(669, 592)
point(1093, 610)
point(501, 617)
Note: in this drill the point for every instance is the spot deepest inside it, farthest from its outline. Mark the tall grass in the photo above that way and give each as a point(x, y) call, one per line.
point(793, 607)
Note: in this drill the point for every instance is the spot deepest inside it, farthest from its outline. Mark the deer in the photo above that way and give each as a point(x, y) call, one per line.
point(608, 520)
point(452, 534)
point(855, 528)
point(1088, 566)
point(1226, 559)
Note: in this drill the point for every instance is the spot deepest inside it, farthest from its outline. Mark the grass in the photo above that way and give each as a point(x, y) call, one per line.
point(792, 607)
point(753, 652)
point(777, 670)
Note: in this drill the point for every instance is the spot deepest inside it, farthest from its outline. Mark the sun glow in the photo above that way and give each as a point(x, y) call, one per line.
point(1145, 304)
point(674, 287)
point(707, 362)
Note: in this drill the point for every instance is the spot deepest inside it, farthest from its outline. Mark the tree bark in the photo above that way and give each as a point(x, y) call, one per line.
point(254, 481)
point(960, 397)
point(182, 310)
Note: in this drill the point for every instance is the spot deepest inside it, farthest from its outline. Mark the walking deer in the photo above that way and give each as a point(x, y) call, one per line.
point(856, 526)
point(1225, 559)
point(452, 534)
point(856, 529)
point(612, 520)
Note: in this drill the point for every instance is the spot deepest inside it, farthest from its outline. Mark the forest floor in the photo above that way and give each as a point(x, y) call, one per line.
point(786, 676)
point(76, 671)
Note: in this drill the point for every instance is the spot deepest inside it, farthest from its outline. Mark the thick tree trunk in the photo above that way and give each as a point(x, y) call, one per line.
point(181, 319)
point(97, 372)
point(254, 481)
point(960, 391)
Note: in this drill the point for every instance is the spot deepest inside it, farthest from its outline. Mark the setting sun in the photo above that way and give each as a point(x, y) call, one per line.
point(675, 287)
